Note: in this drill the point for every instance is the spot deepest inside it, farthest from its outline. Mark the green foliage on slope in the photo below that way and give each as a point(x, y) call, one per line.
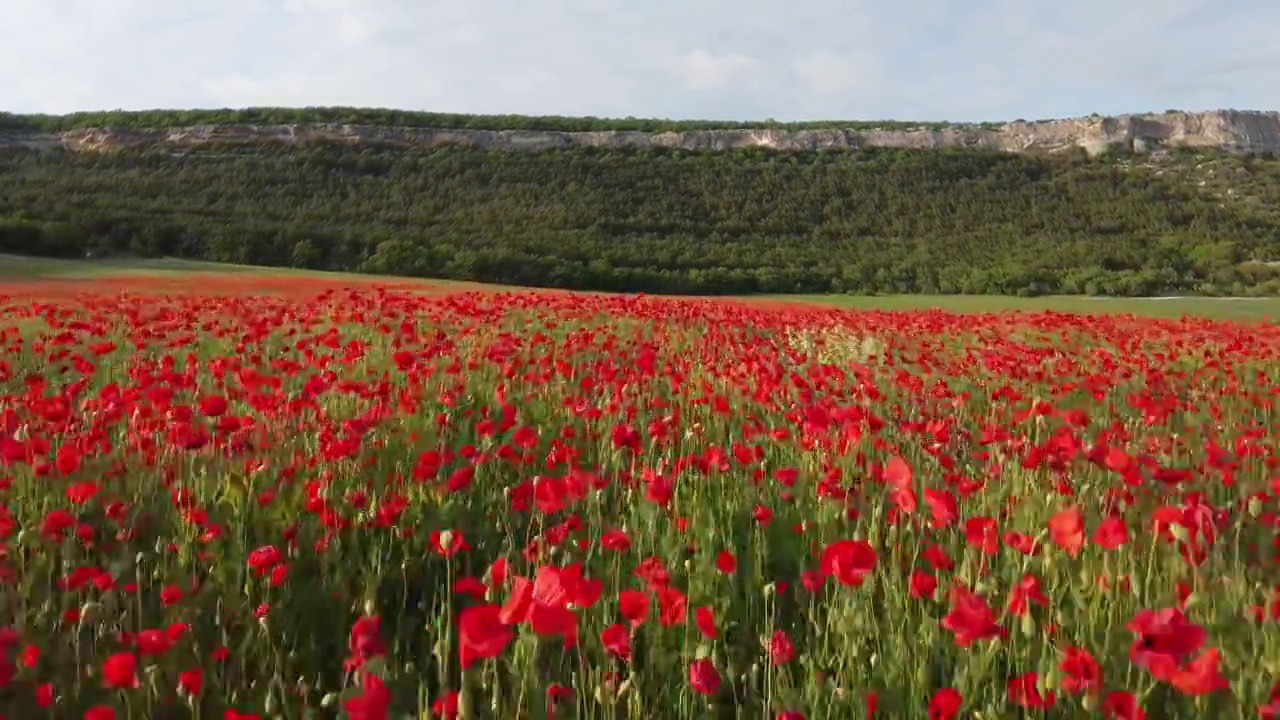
point(864, 221)
point(147, 119)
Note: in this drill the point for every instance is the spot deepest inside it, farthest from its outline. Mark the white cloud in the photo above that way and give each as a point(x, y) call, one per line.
point(700, 70)
point(827, 73)
point(956, 59)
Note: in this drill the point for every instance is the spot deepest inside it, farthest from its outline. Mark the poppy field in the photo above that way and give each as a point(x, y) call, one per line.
point(375, 503)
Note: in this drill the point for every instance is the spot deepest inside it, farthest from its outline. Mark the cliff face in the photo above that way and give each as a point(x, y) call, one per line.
point(1228, 130)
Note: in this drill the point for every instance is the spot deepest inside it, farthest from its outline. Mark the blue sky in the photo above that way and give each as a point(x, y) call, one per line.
point(740, 59)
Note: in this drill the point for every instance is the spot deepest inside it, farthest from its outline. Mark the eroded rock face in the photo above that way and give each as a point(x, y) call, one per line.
point(1229, 130)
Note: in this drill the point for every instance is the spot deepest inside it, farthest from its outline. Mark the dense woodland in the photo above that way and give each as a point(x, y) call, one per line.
point(854, 221)
point(148, 119)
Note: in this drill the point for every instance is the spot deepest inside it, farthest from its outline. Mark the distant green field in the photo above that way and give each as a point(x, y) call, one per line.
point(13, 267)
point(1243, 309)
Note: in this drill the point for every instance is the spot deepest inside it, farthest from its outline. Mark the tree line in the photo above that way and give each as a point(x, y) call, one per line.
point(149, 119)
point(664, 220)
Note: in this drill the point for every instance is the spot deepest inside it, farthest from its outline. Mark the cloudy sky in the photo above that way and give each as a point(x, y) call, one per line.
point(725, 59)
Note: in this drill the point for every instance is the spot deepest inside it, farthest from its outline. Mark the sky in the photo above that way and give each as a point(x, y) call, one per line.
point(967, 60)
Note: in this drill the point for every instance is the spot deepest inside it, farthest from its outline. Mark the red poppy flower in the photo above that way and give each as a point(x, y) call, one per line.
point(1164, 638)
point(617, 641)
point(1111, 533)
point(673, 606)
point(373, 701)
point(1024, 692)
point(481, 634)
point(190, 682)
point(366, 643)
point(634, 606)
point(970, 619)
point(703, 677)
point(1121, 705)
point(705, 619)
point(120, 671)
point(1200, 676)
point(781, 649)
point(945, 704)
point(1080, 672)
point(922, 584)
point(848, 561)
point(726, 563)
point(1026, 593)
point(1067, 530)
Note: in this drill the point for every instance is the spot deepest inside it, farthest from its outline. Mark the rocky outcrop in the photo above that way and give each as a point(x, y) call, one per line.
point(1228, 130)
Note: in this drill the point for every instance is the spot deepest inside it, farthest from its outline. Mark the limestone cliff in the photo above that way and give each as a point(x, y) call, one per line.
point(1229, 130)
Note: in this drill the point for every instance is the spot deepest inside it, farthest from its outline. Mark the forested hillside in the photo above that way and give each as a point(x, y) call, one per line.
point(656, 220)
point(148, 119)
